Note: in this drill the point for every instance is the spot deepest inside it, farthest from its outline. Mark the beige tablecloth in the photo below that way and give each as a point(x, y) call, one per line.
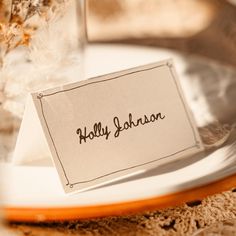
point(183, 220)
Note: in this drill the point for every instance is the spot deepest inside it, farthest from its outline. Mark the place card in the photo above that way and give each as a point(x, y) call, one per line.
point(109, 127)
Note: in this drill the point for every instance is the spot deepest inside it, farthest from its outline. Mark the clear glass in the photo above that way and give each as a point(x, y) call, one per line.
point(41, 46)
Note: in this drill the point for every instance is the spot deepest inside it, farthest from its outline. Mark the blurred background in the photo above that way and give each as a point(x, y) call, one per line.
point(201, 27)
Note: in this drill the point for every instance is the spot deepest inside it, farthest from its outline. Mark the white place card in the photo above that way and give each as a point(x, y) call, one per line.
point(105, 128)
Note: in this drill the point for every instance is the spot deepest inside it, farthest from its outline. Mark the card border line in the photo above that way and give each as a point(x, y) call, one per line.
point(169, 65)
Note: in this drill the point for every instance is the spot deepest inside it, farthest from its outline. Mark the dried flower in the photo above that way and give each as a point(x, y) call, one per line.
point(18, 25)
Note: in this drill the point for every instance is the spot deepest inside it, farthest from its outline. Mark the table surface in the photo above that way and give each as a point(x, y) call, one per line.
point(183, 220)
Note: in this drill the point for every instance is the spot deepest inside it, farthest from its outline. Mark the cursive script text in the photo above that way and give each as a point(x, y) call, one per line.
point(98, 131)
point(130, 123)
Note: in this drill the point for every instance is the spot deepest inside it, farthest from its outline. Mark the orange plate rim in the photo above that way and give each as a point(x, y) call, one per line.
point(31, 214)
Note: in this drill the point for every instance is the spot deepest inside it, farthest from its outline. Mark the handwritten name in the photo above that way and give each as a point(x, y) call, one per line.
point(99, 130)
point(130, 123)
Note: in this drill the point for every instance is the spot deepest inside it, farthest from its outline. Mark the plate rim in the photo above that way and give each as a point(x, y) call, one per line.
point(47, 214)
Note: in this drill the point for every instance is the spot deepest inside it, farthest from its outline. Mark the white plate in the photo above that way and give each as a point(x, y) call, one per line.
point(29, 186)
point(38, 188)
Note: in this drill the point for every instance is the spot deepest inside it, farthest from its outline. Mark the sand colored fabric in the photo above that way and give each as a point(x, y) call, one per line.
point(183, 220)
point(225, 228)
